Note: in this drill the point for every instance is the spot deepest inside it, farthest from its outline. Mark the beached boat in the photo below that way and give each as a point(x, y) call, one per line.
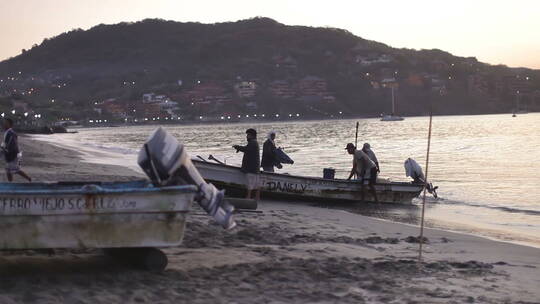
point(130, 220)
point(95, 215)
point(292, 187)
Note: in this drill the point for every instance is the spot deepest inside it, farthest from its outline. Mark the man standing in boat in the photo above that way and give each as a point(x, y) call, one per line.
point(251, 162)
point(269, 156)
point(364, 168)
point(10, 148)
point(367, 149)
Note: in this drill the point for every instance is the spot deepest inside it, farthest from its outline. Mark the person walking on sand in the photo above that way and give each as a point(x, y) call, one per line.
point(363, 166)
point(251, 162)
point(10, 148)
point(269, 156)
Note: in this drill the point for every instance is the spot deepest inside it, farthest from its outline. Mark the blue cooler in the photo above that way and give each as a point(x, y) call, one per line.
point(329, 173)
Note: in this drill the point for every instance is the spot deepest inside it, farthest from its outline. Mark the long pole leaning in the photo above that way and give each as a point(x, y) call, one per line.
point(356, 136)
point(421, 240)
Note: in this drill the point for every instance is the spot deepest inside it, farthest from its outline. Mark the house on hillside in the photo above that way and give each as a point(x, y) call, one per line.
point(436, 82)
point(20, 106)
point(245, 89)
point(372, 59)
point(389, 83)
point(154, 98)
point(148, 97)
point(112, 107)
point(281, 89)
point(415, 80)
point(287, 62)
point(207, 94)
point(312, 86)
point(313, 89)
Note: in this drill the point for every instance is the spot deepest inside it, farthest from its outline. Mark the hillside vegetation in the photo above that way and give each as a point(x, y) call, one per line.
point(315, 72)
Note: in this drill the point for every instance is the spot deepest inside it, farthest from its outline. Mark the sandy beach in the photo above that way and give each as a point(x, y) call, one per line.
point(288, 253)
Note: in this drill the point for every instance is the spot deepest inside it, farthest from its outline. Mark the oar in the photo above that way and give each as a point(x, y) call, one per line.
point(199, 157)
point(211, 157)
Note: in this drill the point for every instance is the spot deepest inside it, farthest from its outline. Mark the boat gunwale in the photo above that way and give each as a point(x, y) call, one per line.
point(344, 181)
point(99, 191)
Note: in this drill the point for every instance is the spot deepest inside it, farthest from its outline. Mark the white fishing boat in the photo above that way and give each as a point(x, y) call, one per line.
point(292, 187)
point(392, 117)
point(130, 220)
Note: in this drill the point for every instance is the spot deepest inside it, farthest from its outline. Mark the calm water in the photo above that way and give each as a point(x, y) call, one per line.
point(487, 167)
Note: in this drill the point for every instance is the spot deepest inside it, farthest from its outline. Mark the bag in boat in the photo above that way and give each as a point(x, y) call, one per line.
point(166, 163)
point(282, 157)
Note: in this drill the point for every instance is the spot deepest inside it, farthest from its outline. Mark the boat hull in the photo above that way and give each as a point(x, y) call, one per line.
point(290, 187)
point(392, 118)
point(108, 215)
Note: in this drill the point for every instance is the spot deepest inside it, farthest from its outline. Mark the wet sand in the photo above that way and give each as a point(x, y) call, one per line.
point(289, 253)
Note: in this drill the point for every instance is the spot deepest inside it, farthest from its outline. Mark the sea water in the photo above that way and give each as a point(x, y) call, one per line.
point(487, 167)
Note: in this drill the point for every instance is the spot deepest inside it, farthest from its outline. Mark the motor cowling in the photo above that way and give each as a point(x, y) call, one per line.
point(414, 170)
point(166, 162)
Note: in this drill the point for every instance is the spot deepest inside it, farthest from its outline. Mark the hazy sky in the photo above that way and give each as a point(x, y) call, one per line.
point(496, 31)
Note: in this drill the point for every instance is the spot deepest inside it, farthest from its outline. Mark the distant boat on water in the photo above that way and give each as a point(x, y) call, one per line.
point(392, 117)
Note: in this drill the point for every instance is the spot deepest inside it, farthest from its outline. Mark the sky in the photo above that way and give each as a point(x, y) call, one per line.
point(496, 31)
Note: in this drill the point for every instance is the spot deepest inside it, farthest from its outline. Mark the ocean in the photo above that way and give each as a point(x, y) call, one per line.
point(487, 167)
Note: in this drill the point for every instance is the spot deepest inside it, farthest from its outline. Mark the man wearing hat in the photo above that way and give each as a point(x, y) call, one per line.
point(251, 162)
point(364, 168)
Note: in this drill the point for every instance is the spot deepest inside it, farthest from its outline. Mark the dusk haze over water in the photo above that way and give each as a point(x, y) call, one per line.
point(279, 151)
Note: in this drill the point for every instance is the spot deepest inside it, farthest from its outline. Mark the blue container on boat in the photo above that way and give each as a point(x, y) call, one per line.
point(329, 173)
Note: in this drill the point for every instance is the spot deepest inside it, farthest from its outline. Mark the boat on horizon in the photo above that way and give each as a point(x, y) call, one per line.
point(392, 117)
point(293, 187)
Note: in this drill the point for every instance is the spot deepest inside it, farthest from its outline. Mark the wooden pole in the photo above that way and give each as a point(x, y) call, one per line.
point(421, 241)
point(356, 136)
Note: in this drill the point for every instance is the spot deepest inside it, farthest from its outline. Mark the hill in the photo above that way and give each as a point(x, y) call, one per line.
point(172, 70)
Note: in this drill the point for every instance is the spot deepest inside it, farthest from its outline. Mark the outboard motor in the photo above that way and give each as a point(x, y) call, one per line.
point(414, 170)
point(165, 161)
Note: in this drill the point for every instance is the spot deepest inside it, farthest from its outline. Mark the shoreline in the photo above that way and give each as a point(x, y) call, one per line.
point(289, 253)
point(263, 120)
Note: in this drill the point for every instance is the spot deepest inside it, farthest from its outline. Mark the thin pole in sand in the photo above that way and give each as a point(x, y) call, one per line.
point(421, 238)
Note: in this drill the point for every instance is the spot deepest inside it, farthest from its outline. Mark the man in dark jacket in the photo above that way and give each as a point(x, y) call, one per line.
point(10, 148)
point(251, 162)
point(269, 156)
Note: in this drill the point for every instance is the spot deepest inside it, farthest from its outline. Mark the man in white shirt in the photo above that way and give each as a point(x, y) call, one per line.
point(364, 168)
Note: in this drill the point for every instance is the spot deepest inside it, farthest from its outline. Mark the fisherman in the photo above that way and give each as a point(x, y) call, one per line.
point(10, 148)
point(251, 162)
point(363, 166)
point(367, 149)
point(269, 156)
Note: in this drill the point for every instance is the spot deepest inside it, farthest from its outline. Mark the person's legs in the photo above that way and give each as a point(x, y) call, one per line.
point(9, 176)
point(362, 189)
point(21, 173)
point(373, 192)
point(372, 181)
